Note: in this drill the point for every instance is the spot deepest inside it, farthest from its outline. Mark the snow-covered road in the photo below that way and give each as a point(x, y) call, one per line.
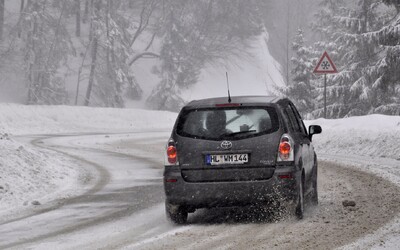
point(116, 186)
point(120, 205)
point(81, 186)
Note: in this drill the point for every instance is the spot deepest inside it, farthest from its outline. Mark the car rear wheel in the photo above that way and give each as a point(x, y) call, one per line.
point(300, 201)
point(175, 213)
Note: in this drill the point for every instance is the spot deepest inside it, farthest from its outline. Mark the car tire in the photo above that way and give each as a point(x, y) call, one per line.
point(175, 213)
point(314, 194)
point(300, 201)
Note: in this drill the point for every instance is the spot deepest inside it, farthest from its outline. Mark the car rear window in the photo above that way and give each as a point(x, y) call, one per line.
point(227, 123)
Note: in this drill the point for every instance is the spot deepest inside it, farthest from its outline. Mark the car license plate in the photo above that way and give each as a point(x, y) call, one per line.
point(227, 159)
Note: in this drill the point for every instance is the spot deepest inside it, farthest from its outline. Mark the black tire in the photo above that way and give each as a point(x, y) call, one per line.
point(314, 194)
point(175, 213)
point(300, 201)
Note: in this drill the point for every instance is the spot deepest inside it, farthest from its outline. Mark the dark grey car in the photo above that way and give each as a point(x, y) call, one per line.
point(252, 150)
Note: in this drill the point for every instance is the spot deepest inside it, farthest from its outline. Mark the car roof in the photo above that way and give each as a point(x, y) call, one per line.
point(242, 100)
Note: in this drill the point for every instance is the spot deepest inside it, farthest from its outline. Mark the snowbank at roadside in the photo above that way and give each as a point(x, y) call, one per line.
point(28, 175)
point(372, 135)
point(22, 119)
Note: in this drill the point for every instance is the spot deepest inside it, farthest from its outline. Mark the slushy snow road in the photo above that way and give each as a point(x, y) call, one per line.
point(104, 186)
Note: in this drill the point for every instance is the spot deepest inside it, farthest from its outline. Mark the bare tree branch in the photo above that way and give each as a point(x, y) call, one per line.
point(151, 41)
point(141, 55)
point(144, 19)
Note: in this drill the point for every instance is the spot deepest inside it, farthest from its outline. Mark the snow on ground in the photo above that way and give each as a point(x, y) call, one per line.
point(373, 135)
point(370, 143)
point(21, 119)
point(29, 175)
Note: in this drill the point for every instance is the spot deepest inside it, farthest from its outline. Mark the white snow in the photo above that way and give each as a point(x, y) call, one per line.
point(21, 119)
point(29, 174)
point(373, 135)
point(370, 143)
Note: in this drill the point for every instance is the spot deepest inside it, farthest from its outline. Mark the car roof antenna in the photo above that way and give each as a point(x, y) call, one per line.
point(227, 84)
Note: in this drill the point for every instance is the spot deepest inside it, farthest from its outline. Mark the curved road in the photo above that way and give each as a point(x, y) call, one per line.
point(120, 205)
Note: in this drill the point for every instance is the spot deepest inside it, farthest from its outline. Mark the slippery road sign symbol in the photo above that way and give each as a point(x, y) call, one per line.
point(325, 65)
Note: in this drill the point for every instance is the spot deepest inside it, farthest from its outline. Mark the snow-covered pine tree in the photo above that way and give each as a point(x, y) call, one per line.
point(199, 32)
point(356, 84)
point(328, 30)
point(387, 86)
point(366, 91)
point(302, 88)
point(177, 70)
point(180, 66)
point(46, 45)
point(114, 77)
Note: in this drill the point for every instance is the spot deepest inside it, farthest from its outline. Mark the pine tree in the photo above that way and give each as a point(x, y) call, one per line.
point(327, 29)
point(179, 69)
point(302, 88)
point(369, 90)
point(113, 75)
point(46, 46)
point(359, 87)
point(387, 86)
point(196, 33)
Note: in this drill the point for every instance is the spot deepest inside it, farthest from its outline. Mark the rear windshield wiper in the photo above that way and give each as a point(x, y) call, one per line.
point(239, 133)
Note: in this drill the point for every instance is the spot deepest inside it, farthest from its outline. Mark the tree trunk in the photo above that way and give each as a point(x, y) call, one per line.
point(94, 53)
point(91, 20)
point(109, 68)
point(32, 97)
point(78, 18)
point(21, 8)
point(86, 12)
point(92, 71)
point(1, 18)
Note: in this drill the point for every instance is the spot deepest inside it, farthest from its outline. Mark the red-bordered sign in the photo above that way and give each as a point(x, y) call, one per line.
point(325, 65)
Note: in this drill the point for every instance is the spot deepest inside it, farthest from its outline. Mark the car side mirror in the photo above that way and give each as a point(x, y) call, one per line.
point(314, 129)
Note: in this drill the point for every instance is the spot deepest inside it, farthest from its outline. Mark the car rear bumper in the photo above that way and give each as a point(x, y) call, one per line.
point(281, 186)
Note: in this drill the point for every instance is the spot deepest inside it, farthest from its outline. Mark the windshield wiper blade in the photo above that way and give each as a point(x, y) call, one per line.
point(239, 133)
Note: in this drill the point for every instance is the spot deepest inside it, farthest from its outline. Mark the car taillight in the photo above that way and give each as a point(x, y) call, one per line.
point(285, 151)
point(172, 154)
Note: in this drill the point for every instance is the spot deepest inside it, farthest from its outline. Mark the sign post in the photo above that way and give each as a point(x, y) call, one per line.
point(325, 66)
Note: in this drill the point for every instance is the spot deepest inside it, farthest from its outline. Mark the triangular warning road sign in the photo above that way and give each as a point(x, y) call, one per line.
point(325, 65)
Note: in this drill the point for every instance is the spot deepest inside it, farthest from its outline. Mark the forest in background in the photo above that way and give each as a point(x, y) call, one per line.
point(97, 42)
point(103, 39)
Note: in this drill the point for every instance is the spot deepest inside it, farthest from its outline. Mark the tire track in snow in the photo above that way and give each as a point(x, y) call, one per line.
point(101, 177)
point(101, 180)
